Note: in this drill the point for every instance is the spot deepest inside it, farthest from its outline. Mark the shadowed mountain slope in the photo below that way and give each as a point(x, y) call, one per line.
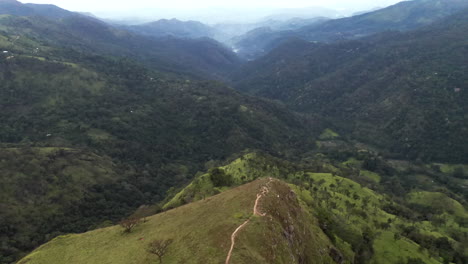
point(13, 7)
point(173, 27)
point(403, 91)
point(404, 16)
point(197, 58)
point(157, 130)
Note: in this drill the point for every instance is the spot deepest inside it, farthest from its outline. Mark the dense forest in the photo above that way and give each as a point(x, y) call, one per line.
point(403, 16)
point(156, 130)
point(405, 92)
point(97, 121)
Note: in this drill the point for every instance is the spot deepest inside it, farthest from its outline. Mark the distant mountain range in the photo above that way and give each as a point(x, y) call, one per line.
point(16, 8)
point(380, 87)
point(174, 28)
point(403, 16)
point(194, 57)
point(105, 120)
point(345, 142)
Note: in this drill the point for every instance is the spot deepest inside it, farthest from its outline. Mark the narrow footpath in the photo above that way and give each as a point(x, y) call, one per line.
point(264, 191)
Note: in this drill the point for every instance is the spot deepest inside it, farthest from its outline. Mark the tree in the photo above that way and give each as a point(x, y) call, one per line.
point(220, 178)
point(159, 247)
point(129, 223)
point(458, 172)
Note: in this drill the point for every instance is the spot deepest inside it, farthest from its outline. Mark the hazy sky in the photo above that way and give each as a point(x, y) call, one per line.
point(102, 5)
point(209, 11)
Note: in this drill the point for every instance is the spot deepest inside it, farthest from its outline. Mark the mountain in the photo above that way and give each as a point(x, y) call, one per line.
point(195, 241)
point(199, 58)
point(13, 7)
point(303, 215)
point(269, 35)
point(121, 148)
point(401, 91)
point(310, 12)
point(82, 132)
point(174, 28)
point(404, 16)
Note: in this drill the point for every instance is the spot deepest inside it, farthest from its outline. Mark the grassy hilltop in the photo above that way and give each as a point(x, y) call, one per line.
point(201, 232)
point(319, 217)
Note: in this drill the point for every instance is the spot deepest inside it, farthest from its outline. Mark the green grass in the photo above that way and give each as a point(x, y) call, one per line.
point(450, 168)
point(201, 232)
point(353, 162)
point(388, 250)
point(355, 209)
point(328, 134)
point(247, 168)
point(201, 229)
point(371, 175)
point(438, 201)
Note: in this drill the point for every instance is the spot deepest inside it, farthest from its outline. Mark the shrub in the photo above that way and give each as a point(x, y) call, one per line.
point(129, 223)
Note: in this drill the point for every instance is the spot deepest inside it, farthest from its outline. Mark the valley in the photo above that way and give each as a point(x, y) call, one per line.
point(285, 140)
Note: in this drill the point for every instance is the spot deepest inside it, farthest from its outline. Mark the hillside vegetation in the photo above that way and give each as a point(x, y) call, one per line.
point(207, 241)
point(319, 217)
point(363, 214)
point(404, 92)
point(43, 195)
point(158, 129)
point(403, 16)
point(195, 58)
point(120, 148)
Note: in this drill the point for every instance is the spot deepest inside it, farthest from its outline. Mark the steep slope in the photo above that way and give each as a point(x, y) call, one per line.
point(42, 189)
point(173, 27)
point(285, 234)
point(14, 7)
point(369, 222)
point(200, 58)
point(404, 91)
point(157, 129)
point(321, 218)
point(269, 35)
point(403, 16)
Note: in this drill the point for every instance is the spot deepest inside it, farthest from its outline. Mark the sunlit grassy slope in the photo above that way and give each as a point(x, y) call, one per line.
point(319, 217)
point(201, 232)
point(354, 217)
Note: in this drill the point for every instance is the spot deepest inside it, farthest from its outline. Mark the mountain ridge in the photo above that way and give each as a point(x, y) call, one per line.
point(199, 58)
point(403, 16)
point(157, 129)
point(14, 7)
point(364, 80)
point(301, 222)
point(173, 27)
point(215, 236)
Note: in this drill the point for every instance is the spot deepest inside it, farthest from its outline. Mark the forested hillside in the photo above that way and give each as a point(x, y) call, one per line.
point(98, 136)
point(16, 8)
point(319, 217)
point(350, 149)
point(403, 16)
point(173, 27)
point(405, 92)
point(197, 58)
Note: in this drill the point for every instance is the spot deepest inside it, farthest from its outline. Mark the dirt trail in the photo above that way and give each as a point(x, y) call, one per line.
point(264, 191)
